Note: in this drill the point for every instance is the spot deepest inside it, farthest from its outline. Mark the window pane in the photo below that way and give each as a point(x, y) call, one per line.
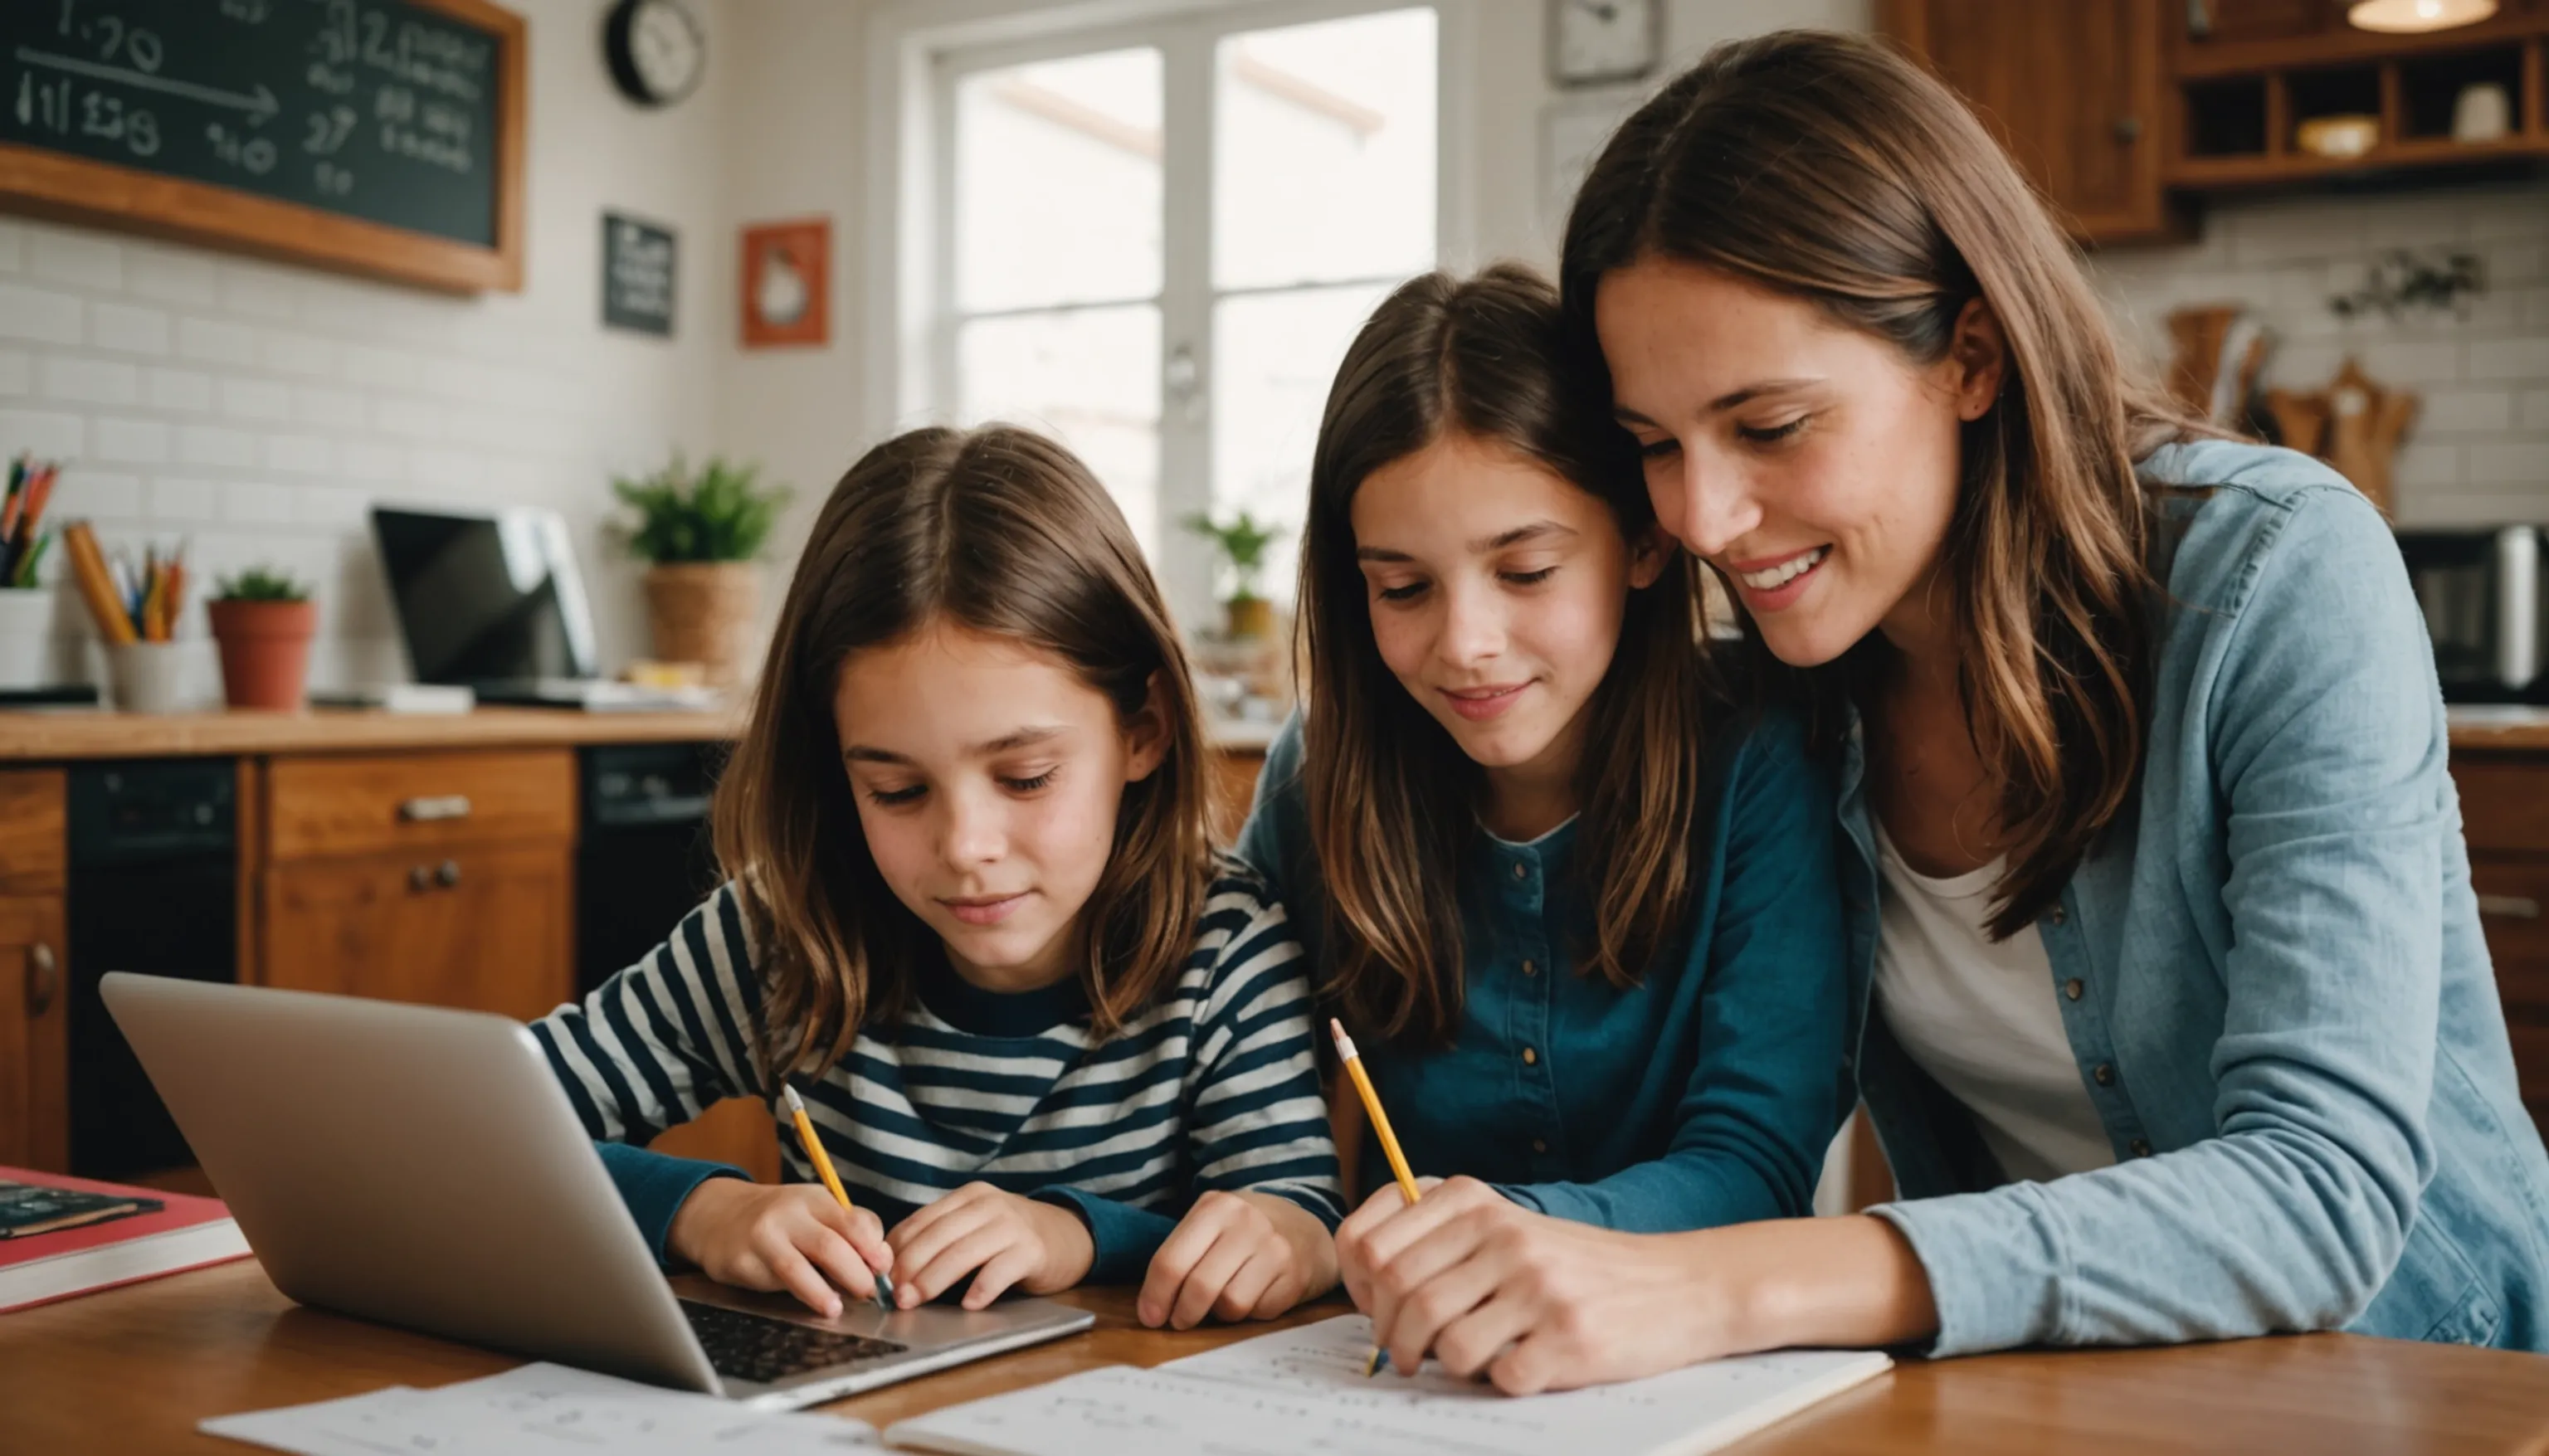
point(1089, 378)
point(1324, 151)
point(1058, 182)
point(1274, 356)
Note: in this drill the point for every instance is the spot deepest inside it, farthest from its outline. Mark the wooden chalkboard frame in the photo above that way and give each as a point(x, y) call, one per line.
point(79, 190)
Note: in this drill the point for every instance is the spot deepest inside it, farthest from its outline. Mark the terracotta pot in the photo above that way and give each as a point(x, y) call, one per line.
point(1251, 617)
point(703, 612)
point(265, 650)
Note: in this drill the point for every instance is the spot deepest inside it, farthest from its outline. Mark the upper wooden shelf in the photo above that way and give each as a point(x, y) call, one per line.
point(2342, 45)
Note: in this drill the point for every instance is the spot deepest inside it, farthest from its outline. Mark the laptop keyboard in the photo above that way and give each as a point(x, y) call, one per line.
point(763, 1350)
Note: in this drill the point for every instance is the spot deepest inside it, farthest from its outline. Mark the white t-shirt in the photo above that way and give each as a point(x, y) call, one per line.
point(1981, 1019)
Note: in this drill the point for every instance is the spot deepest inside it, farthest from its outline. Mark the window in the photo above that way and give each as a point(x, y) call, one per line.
point(1159, 238)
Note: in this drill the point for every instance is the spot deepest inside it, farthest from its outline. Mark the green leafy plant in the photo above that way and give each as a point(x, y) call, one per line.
point(722, 513)
point(1242, 540)
point(259, 584)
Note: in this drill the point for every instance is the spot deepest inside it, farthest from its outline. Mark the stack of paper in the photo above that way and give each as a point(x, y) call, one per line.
point(541, 1410)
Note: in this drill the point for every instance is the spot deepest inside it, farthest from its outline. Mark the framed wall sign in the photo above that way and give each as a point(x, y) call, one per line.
point(638, 268)
point(787, 283)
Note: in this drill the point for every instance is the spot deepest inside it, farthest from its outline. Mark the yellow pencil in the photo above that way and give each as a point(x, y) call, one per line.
point(1378, 1359)
point(823, 1167)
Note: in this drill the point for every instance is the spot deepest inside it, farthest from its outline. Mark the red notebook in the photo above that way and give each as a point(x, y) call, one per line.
point(184, 1233)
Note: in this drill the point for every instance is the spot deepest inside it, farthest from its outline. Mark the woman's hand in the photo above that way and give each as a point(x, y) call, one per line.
point(793, 1237)
point(1237, 1256)
point(1534, 1304)
point(1003, 1241)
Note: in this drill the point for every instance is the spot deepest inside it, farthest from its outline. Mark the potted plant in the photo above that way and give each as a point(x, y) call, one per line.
point(700, 534)
point(1241, 541)
point(264, 621)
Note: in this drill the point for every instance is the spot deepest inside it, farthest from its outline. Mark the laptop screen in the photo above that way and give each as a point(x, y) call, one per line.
point(485, 596)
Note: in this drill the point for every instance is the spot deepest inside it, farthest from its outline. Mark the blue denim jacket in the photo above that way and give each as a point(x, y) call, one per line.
point(2272, 977)
point(1705, 1094)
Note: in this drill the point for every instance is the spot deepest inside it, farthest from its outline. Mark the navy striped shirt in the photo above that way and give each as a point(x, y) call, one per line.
point(1211, 1086)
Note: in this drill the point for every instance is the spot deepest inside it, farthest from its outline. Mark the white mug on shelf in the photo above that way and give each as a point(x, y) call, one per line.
point(148, 677)
point(2484, 113)
point(31, 650)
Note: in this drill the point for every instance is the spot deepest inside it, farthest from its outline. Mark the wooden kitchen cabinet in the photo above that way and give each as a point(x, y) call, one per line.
point(2074, 91)
point(35, 973)
point(445, 879)
point(2504, 813)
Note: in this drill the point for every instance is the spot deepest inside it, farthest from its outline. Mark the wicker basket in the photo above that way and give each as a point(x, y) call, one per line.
point(704, 612)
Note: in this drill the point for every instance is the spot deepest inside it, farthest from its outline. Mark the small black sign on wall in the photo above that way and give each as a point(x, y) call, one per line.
point(638, 269)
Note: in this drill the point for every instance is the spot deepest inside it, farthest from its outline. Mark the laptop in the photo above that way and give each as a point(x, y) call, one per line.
point(421, 1166)
point(492, 600)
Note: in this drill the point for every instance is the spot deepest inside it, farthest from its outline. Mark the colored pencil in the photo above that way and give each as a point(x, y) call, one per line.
point(824, 1166)
point(1378, 1359)
point(97, 583)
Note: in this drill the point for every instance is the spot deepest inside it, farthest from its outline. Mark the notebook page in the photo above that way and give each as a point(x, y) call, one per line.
point(1304, 1390)
point(542, 1411)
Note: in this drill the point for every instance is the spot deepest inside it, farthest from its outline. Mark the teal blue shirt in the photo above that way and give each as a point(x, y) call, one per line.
point(1706, 1093)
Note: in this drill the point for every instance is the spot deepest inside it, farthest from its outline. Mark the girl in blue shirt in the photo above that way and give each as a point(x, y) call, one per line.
point(1580, 916)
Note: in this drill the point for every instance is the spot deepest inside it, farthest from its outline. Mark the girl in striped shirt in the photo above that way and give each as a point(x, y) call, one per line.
point(975, 918)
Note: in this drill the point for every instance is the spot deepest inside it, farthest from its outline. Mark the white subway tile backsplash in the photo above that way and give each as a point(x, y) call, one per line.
point(126, 330)
point(212, 445)
point(2514, 462)
point(2465, 411)
point(333, 409)
point(415, 418)
point(13, 246)
point(182, 499)
point(54, 434)
point(287, 352)
point(372, 462)
point(91, 381)
point(247, 502)
point(17, 372)
point(2508, 358)
point(187, 389)
point(41, 314)
point(211, 341)
point(2533, 411)
point(132, 441)
point(300, 454)
point(167, 276)
point(377, 367)
point(254, 289)
point(331, 507)
point(85, 493)
point(255, 400)
point(80, 259)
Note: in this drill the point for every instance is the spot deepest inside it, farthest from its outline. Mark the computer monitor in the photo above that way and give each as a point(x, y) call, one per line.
point(485, 596)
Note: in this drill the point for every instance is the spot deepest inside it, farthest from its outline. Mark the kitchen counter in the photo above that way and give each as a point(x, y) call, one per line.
point(62, 735)
point(2490, 728)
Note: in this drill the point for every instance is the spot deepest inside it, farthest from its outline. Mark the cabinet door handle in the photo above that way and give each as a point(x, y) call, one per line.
point(447, 873)
point(2509, 907)
point(2129, 130)
point(426, 808)
point(43, 978)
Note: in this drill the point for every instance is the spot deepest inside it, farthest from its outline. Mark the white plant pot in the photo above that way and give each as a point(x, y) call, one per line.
point(31, 644)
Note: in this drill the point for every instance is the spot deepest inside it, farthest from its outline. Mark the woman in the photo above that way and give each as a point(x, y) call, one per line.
point(2169, 998)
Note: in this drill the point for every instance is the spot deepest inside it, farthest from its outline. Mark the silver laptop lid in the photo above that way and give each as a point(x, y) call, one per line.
point(409, 1164)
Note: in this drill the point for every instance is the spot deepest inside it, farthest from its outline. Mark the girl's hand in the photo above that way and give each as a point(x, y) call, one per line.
point(793, 1237)
point(1237, 1256)
point(1001, 1239)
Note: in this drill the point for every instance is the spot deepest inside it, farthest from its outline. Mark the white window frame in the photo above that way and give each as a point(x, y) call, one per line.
point(919, 48)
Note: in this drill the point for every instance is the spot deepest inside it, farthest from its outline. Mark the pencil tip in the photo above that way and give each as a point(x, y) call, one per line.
point(793, 1102)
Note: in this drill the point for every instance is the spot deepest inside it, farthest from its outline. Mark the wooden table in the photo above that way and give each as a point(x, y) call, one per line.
point(132, 1370)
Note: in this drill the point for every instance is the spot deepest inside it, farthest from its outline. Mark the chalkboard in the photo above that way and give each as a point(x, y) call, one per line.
point(404, 114)
point(637, 273)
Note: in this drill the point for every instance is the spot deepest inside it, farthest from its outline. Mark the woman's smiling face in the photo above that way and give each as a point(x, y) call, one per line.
point(1811, 463)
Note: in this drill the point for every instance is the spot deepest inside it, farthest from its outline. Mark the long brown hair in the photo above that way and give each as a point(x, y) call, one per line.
point(1827, 167)
point(1392, 800)
point(1004, 532)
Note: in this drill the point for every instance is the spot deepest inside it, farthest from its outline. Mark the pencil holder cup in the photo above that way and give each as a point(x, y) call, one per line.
point(31, 650)
point(147, 677)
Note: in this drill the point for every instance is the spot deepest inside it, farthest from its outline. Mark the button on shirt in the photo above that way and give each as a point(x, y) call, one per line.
point(1705, 1094)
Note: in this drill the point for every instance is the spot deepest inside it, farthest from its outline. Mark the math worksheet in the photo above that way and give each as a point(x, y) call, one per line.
point(1305, 1391)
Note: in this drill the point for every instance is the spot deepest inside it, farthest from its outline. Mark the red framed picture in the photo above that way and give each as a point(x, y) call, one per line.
point(787, 283)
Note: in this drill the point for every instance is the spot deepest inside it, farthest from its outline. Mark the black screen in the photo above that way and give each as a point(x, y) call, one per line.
point(485, 597)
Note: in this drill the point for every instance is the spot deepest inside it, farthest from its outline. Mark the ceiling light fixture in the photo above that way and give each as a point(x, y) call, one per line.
point(2412, 17)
